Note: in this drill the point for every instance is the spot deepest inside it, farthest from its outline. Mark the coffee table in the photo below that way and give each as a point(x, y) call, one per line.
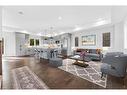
point(78, 58)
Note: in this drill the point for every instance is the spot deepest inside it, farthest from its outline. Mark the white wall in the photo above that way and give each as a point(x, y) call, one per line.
point(14, 43)
point(66, 41)
point(0, 22)
point(125, 36)
point(117, 36)
point(0, 38)
point(98, 32)
point(9, 43)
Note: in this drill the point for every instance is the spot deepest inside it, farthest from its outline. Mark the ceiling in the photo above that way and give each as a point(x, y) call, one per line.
point(43, 20)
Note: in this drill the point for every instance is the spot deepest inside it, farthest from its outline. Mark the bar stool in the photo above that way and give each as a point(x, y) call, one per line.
point(55, 53)
point(52, 53)
point(41, 54)
point(37, 53)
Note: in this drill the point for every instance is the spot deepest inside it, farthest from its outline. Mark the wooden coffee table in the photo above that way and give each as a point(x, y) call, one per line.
point(79, 61)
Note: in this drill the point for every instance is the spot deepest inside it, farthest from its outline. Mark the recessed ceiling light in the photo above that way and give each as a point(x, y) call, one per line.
point(78, 28)
point(59, 17)
point(24, 31)
point(101, 22)
point(20, 12)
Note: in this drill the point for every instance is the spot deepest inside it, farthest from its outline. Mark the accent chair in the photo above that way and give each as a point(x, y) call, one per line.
point(114, 65)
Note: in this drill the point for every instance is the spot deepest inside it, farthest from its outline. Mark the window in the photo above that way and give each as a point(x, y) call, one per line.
point(76, 41)
point(37, 42)
point(106, 39)
point(31, 42)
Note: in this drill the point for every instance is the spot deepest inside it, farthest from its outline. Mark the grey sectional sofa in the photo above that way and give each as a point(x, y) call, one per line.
point(93, 54)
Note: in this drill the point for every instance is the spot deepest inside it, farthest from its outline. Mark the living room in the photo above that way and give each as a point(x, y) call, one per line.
point(72, 49)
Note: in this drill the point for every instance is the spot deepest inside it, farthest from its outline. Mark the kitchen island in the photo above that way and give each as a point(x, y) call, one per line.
point(43, 52)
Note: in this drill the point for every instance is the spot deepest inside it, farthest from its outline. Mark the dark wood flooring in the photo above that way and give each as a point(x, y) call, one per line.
point(53, 77)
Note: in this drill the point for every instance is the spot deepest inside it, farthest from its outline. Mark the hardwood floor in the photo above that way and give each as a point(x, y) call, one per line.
point(54, 78)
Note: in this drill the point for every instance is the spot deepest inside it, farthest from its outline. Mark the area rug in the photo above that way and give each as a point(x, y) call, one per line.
point(91, 73)
point(24, 78)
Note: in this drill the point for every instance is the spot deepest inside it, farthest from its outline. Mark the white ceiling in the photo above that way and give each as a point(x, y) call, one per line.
point(38, 19)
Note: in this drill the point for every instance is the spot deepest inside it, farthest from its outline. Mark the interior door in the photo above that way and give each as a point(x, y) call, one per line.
point(20, 44)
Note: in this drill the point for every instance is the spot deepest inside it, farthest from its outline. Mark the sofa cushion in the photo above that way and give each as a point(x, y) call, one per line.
point(77, 53)
point(93, 51)
point(92, 54)
point(98, 51)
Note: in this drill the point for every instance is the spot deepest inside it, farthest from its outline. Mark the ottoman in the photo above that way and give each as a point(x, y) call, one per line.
point(56, 62)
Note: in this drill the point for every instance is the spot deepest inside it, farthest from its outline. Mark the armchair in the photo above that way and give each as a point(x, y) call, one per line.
point(114, 65)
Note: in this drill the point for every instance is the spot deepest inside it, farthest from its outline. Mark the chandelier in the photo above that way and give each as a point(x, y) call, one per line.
point(50, 33)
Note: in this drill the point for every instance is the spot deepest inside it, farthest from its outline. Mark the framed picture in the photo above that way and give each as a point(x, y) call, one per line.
point(89, 40)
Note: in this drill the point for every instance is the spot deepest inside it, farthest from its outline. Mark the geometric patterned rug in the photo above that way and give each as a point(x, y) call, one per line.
point(24, 78)
point(91, 73)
